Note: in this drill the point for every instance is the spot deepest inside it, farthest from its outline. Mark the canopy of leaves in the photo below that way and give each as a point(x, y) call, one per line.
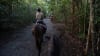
point(16, 13)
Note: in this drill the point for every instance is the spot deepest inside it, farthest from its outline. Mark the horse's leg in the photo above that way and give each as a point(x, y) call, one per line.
point(40, 45)
point(39, 52)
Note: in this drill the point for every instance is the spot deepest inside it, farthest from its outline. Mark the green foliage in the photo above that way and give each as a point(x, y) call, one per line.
point(97, 12)
point(16, 13)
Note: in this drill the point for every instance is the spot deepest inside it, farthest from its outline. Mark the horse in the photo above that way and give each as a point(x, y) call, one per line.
point(38, 32)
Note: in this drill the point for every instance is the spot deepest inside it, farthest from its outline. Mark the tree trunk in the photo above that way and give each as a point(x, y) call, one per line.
point(90, 31)
point(73, 16)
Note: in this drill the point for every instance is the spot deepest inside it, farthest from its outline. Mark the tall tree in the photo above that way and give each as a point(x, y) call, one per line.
point(90, 30)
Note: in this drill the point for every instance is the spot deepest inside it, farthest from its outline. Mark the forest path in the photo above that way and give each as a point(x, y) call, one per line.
point(23, 43)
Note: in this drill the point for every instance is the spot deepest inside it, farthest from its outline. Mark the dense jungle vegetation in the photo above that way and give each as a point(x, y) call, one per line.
point(81, 17)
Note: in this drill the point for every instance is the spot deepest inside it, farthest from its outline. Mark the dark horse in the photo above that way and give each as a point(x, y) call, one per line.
point(39, 30)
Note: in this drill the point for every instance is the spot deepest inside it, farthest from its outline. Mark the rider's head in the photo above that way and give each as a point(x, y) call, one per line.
point(39, 9)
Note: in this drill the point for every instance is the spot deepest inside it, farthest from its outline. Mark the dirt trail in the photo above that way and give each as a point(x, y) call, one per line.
point(23, 43)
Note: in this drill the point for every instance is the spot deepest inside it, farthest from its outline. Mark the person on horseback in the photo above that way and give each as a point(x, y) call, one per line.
point(39, 15)
point(39, 30)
